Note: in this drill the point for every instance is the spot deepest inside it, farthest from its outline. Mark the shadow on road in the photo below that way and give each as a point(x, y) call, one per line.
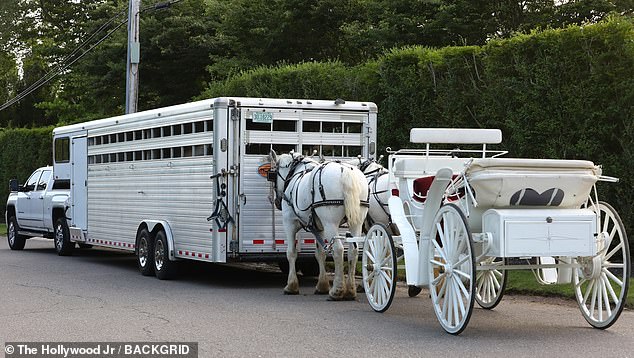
point(233, 275)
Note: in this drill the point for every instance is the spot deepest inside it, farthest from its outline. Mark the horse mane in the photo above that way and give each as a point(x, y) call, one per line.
point(285, 160)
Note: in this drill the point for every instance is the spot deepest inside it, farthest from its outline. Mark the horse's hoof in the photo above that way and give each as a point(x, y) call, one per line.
point(333, 298)
point(291, 290)
point(350, 296)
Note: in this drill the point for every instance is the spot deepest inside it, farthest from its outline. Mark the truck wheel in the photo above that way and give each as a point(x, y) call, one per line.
point(16, 241)
point(163, 267)
point(63, 246)
point(145, 252)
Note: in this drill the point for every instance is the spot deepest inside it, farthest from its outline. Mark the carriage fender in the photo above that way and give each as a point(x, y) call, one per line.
point(151, 224)
point(408, 238)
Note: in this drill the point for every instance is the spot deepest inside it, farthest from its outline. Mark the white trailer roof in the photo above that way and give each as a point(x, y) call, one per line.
point(218, 102)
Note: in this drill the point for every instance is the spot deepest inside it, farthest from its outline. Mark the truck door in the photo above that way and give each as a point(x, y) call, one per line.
point(79, 171)
point(37, 199)
point(27, 218)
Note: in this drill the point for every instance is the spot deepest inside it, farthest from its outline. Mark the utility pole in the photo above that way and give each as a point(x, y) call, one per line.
point(134, 55)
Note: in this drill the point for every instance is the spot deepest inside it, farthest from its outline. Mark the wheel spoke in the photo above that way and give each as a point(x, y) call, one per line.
point(613, 265)
point(461, 286)
point(459, 272)
point(463, 298)
point(617, 248)
point(606, 222)
point(385, 276)
point(441, 234)
point(449, 302)
point(609, 287)
point(605, 299)
point(440, 251)
point(581, 282)
point(375, 290)
point(446, 298)
point(455, 298)
point(495, 281)
point(438, 278)
point(371, 258)
point(587, 293)
point(437, 263)
point(442, 291)
point(461, 261)
point(614, 278)
point(611, 236)
point(593, 301)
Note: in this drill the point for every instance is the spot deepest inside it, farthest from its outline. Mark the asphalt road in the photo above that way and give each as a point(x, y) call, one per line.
point(98, 295)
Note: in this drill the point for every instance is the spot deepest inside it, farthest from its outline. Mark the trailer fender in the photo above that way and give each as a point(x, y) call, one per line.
point(151, 225)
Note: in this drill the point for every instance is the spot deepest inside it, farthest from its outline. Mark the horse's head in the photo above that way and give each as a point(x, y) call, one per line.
point(367, 166)
point(280, 172)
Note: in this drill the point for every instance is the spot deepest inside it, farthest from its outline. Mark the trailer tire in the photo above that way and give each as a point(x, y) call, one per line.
point(164, 269)
point(61, 237)
point(145, 252)
point(16, 241)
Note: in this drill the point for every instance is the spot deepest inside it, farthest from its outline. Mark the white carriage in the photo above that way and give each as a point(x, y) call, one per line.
point(466, 217)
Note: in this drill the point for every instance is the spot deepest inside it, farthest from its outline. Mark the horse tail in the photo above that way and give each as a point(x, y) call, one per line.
point(354, 186)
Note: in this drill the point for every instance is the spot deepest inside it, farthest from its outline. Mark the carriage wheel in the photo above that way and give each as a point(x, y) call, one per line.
point(379, 268)
point(490, 284)
point(452, 269)
point(601, 283)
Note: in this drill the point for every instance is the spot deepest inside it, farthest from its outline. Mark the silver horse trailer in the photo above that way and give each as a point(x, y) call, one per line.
point(189, 181)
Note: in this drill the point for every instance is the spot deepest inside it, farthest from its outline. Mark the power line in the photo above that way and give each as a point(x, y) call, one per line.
point(61, 66)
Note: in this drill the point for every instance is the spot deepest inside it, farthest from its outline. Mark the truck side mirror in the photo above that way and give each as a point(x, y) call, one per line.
point(13, 185)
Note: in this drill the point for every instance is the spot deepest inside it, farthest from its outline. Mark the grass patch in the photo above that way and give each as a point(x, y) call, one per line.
point(3, 229)
point(524, 282)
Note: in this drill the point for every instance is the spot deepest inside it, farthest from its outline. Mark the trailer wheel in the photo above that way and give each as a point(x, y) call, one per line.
point(163, 267)
point(145, 252)
point(63, 245)
point(16, 241)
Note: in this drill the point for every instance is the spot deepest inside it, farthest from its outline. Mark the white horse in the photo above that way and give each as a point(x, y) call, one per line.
point(378, 182)
point(318, 197)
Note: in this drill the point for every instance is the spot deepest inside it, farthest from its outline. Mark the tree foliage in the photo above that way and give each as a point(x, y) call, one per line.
point(199, 41)
point(563, 93)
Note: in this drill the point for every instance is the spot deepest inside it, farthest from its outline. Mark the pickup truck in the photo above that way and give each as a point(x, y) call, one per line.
point(38, 208)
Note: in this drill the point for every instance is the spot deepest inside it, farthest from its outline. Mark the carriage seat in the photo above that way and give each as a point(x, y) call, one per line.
point(421, 187)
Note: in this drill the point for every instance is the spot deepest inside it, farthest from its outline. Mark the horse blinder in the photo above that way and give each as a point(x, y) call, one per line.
point(271, 175)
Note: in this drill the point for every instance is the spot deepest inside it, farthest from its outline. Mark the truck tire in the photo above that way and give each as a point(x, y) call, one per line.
point(16, 241)
point(63, 245)
point(163, 267)
point(145, 252)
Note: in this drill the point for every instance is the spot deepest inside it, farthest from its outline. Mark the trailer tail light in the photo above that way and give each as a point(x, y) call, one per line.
point(395, 192)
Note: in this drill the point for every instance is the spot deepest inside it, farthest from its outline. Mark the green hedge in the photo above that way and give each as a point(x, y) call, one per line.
point(564, 93)
point(22, 151)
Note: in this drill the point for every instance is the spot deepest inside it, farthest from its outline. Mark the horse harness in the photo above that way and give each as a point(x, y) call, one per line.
point(292, 181)
point(373, 180)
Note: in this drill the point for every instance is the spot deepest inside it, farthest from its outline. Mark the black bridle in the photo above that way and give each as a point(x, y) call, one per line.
point(273, 175)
